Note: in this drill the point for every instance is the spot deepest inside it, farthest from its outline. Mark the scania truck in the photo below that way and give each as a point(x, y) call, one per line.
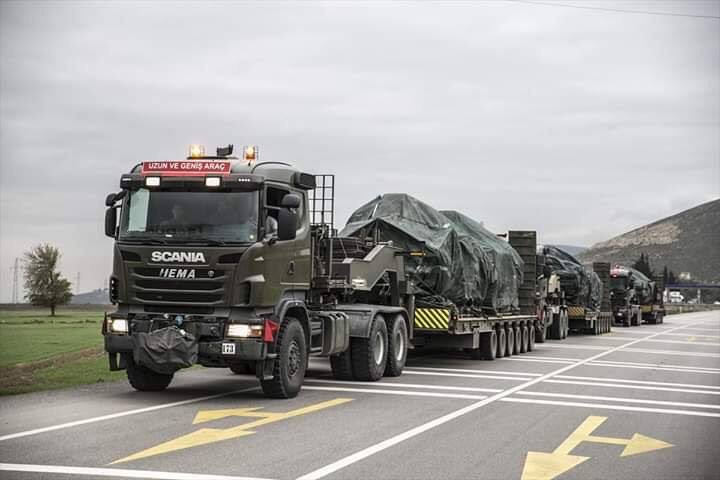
point(231, 262)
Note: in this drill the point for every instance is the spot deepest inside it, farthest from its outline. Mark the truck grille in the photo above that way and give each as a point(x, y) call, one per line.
point(153, 285)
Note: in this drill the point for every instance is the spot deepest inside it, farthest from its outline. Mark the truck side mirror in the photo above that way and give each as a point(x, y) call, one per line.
point(110, 222)
point(110, 200)
point(291, 200)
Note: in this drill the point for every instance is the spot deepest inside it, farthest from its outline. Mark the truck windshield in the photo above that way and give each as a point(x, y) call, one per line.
point(618, 283)
point(202, 216)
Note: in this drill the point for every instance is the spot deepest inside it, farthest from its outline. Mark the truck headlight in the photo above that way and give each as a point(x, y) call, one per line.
point(119, 325)
point(243, 330)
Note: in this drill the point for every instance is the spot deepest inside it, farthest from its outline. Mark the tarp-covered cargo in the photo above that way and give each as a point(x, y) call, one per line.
point(464, 263)
point(581, 285)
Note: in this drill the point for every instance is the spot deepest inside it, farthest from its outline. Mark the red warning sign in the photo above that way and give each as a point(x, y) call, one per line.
point(186, 168)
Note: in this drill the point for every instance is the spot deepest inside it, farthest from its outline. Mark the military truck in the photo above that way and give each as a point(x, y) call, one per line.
point(627, 286)
point(653, 308)
point(552, 308)
point(233, 263)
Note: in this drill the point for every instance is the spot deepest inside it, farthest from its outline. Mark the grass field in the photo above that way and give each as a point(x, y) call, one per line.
point(39, 352)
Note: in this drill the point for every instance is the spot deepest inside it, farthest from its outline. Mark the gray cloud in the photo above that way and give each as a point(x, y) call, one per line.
point(581, 124)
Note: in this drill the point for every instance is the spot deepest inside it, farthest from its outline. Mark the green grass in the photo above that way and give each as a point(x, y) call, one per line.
point(82, 372)
point(39, 352)
point(27, 337)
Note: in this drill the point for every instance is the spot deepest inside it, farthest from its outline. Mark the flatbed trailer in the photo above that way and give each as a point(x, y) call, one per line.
point(594, 322)
point(492, 336)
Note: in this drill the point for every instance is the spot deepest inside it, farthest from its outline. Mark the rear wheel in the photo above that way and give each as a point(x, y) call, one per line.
point(510, 341)
point(565, 324)
point(488, 345)
point(501, 343)
point(541, 332)
point(556, 327)
point(369, 355)
point(145, 380)
point(518, 341)
point(291, 362)
point(531, 338)
point(397, 347)
point(525, 339)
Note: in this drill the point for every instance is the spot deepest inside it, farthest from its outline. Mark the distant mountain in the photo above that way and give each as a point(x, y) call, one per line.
point(96, 297)
point(686, 242)
point(573, 250)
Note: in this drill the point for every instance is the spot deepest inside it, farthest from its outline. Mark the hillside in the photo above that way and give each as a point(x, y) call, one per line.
point(686, 242)
point(95, 297)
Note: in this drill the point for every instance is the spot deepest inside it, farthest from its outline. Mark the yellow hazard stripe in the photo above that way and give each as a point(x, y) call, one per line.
point(432, 318)
point(576, 311)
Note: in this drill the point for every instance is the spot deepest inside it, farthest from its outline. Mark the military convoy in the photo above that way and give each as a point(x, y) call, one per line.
point(230, 262)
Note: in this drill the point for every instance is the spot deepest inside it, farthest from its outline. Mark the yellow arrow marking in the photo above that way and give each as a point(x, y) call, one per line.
point(211, 435)
point(546, 466)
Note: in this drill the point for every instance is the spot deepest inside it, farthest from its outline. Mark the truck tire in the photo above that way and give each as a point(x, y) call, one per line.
point(397, 347)
point(510, 337)
point(525, 337)
point(488, 345)
point(341, 366)
point(243, 368)
point(145, 380)
point(556, 327)
point(541, 332)
point(501, 343)
point(291, 362)
point(518, 340)
point(565, 324)
point(369, 355)
point(635, 320)
point(531, 338)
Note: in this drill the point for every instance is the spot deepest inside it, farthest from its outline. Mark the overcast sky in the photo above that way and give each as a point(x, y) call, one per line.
point(579, 123)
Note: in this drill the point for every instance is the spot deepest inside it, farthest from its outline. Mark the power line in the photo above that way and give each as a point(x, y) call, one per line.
point(615, 10)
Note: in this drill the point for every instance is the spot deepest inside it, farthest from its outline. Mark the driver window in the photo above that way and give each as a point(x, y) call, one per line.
point(273, 197)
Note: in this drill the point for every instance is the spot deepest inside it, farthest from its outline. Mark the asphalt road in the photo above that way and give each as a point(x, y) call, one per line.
point(639, 403)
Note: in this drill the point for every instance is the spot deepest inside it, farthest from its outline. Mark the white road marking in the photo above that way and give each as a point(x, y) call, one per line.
point(406, 385)
point(692, 335)
point(686, 342)
point(468, 370)
point(642, 367)
point(578, 346)
point(397, 392)
point(563, 362)
point(692, 367)
point(643, 382)
point(633, 387)
point(396, 439)
point(694, 413)
point(464, 375)
point(714, 330)
point(620, 399)
point(538, 357)
point(115, 472)
point(638, 350)
point(120, 414)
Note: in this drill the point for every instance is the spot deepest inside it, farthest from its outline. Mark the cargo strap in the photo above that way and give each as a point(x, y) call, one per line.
point(432, 318)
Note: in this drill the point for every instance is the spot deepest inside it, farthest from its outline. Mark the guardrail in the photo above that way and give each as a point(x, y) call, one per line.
point(673, 308)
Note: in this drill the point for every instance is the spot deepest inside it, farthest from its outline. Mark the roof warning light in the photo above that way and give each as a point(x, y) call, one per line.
point(196, 151)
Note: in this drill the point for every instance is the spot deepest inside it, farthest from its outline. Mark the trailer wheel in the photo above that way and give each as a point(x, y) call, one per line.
point(501, 343)
point(541, 332)
point(525, 337)
point(565, 324)
point(488, 347)
point(635, 319)
point(397, 347)
point(145, 380)
point(291, 362)
point(531, 338)
point(510, 341)
point(518, 340)
point(369, 355)
point(341, 366)
point(556, 327)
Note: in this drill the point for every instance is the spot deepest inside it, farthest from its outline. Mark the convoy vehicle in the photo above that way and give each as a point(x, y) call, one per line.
point(627, 287)
point(235, 263)
point(598, 319)
point(652, 307)
point(231, 262)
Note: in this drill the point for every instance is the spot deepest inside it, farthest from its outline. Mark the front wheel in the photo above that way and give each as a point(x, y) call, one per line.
point(145, 380)
point(369, 355)
point(290, 364)
point(397, 347)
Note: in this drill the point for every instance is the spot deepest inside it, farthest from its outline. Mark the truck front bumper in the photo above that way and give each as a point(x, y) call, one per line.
point(209, 352)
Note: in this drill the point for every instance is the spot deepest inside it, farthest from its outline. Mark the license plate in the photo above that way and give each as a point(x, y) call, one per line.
point(228, 349)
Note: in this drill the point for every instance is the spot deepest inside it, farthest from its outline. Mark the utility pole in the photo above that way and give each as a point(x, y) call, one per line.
point(16, 275)
point(77, 284)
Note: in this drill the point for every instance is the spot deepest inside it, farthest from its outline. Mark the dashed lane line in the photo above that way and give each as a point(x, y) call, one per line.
point(396, 439)
point(641, 382)
point(635, 365)
point(121, 414)
point(397, 392)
